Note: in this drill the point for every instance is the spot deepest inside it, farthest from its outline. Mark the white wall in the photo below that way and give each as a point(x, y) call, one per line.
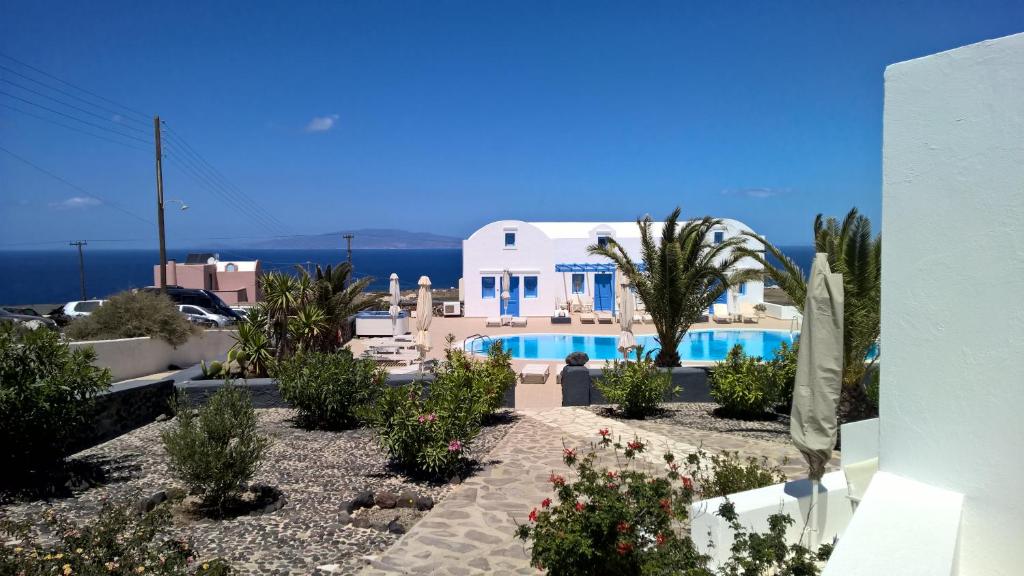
point(536, 254)
point(135, 357)
point(953, 263)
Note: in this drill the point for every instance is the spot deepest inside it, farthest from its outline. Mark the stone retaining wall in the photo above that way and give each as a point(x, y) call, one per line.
point(578, 386)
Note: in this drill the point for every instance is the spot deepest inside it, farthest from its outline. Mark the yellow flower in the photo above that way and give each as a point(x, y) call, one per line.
point(59, 555)
point(17, 549)
point(67, 569)
point(140, 569)
point(78, 550)
point(206, 566)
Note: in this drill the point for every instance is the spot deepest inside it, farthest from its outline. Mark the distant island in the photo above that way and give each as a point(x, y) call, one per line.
point(367, 238)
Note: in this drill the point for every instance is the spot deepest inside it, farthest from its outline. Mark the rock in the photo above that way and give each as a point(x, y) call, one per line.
point(455, 480)
point(329, 568)
point(344, 518)
point(395, 527)
point(424, 502)
point(577, 359)
point(361, 522)
point(176, 493)
point(386, 500)
point(407, 499)
point(363, 499)
point(162, 418)
point(146, 505)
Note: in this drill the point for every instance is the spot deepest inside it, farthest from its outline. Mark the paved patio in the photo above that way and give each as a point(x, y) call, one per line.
point(472, 530)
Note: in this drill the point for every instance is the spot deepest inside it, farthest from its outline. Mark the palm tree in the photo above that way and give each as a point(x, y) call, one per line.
point(857, 254)
point(281, 299)
point(683, 273)
point(339, 297)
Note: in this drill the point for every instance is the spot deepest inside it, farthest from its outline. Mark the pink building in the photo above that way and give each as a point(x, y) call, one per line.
point(234, 281)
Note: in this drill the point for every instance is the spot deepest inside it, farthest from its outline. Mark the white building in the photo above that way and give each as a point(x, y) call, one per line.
point(548, 263)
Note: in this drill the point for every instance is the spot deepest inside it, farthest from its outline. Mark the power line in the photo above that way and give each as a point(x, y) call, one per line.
point(178, 139)
point(100, 126)
point(79, 88)
point(80, 109)
point(75, 128)
point(74, 186)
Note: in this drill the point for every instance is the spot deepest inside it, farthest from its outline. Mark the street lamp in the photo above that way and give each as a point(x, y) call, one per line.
point(180, 203)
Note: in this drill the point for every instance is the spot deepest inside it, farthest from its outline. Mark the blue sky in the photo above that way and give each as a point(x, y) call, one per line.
point(442, 116)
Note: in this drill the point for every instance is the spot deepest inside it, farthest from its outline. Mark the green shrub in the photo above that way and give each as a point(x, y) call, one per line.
point(490, 379)
point(329, 389)
point(46, 396)
point(118, 542)
point(218, 448)
point(131, 315)
point(783, 370)
point(872, 388)
point(770, 552)
point(636, 388)
point(728, 473)
point(618, 521)
point(744, 385)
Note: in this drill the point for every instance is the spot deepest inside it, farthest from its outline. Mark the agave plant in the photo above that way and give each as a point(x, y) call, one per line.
point(307, 327)
point(856, 253)
point(253, 344)
point(683, 273)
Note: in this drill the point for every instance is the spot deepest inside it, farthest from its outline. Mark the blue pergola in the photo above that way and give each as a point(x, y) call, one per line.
point(600, 268)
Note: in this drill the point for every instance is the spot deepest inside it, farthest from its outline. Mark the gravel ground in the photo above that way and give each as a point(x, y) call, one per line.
point(700, 416)
point(316, 471)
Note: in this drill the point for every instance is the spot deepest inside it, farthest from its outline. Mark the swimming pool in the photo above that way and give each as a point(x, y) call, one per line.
point(697, 345)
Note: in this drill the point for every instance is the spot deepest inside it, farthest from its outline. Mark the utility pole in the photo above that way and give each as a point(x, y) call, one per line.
point(81, 265)
point(348, 239)
point(160, 203)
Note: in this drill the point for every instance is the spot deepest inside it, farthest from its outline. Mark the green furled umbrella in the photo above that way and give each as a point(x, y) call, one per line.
point(819, 376)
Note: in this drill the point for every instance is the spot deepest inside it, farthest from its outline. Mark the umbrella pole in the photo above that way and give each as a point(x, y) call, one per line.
point(812, 521)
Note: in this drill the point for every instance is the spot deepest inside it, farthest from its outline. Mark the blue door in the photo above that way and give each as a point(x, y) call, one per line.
point(604, 296)
point(512, 308)
point(722, 299)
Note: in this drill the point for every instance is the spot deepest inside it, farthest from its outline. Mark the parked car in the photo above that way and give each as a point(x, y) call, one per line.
point(198, 297)
point(81, 307)
point(198, 312)
point(201, 321)
point(32, 321)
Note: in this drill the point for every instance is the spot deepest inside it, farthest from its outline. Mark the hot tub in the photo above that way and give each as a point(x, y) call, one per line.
point(378, 323)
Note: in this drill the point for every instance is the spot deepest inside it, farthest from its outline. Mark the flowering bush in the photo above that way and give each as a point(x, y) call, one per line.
point(430, 430)
point(218, 448)
point(328, 389)
point(621, 521)
point(119, 542)
point(637, 388)
point(46, 394)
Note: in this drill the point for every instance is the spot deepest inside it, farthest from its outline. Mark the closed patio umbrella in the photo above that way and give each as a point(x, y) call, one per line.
point(506, 283)
point(396, 299)
point(627, 341)
point(424, 314)
point(819, 374)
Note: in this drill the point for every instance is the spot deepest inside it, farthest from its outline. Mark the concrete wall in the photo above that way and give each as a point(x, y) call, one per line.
point(953, 221)
point(536, 254)
point(136, 357)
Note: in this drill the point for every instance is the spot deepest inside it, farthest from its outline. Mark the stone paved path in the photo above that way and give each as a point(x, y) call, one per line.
point(472, 530)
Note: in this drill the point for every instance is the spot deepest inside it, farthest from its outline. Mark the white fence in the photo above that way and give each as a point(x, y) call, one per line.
point(781, 312)
point(135, 357)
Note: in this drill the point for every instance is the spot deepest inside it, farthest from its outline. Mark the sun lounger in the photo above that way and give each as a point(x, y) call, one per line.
point(493, 321)
point(604, 317)
point(587, 318)
point(517, 321)
point(534, 374)
point(748, 313)
point(720, 314)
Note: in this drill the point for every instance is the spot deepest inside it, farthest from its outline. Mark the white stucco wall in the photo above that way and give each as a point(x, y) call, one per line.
point(536, 253)
point(952, 389)
point(136, 357)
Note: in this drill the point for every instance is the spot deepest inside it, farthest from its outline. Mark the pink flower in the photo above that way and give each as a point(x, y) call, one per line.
point(455, 446)
point(431, 416)
point(422, 418)
point(580, 506)
point(660, 539)
point(557, 480)
point(545, 503)
point(635, 445)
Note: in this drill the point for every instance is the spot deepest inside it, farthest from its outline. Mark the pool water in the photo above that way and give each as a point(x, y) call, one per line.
point(697, 345)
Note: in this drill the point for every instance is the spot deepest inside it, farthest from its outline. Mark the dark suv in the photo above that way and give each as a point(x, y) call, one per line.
point(198, 297)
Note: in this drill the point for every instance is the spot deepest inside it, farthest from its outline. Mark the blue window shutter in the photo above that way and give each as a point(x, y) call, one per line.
point(510, 238)
point(530, 286)
point(743, 288)
point(487, 287)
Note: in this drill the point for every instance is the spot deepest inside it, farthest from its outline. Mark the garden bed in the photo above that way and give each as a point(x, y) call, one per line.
point(702, 416)
point(318, 473)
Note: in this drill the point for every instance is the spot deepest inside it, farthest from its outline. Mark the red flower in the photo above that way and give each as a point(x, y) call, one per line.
point(687, 483)
point(611, 473)
point(603, 432)
point(533, 515)
point(660, 539)
point(623, 548)
point(545, 503)
point(635, 445)
point(623, 527)
point(557, 480)
point(665, 504)
point(569, 452)
point(580, 506)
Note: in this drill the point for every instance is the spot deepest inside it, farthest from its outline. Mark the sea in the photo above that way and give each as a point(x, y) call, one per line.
point(51, 276)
